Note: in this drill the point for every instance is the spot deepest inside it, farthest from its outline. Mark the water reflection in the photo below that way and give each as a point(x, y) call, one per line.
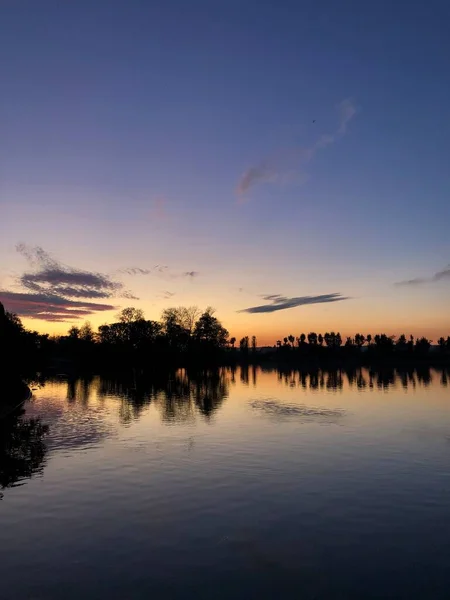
point(230, 471)
point(381, 378)
point(184, 395)
point(178, 395)
point(81, 411)
point(281, 411)
point(22, 448)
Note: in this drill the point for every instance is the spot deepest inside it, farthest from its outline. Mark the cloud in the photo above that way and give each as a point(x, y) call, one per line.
point(51, 291)
point(162, 270)
point(51, 277)
point(57, 292)
point(71, 282)
point(444, 274)
point(416, 281)
point(439, 276)
point(167, 295)
point(278, 302)
point(275, 298)
point(140, 271)
point(262, 173)
point(49, 307)
point(278, 167)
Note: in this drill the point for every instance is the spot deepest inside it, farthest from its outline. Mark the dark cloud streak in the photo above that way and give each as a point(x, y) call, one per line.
point(49, 307)
point(278, 302)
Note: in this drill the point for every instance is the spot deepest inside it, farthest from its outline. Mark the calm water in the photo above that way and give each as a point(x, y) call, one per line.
point(244, 484)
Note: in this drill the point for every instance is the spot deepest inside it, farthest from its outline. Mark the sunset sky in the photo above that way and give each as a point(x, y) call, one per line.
point(286, 162)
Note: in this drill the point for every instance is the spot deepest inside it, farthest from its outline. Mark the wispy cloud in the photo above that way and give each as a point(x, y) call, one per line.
point(139, 271)
point(443, 275)
point(277, 168)
point(279, 302)
point(161, 270)
point(166, 295)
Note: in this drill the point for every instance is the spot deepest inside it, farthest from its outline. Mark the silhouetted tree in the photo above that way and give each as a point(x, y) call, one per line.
point(384, 342)
point(253, 344)
point(359, 340)
point(130, 314)
point(74, 333)
point(86, 333)
point(312, 338)
point(173, 326)
point(291, 339)
point(320, 339)
point(423, 345)
point(329, 339)
point(401, 343)
point(209, 331)
point(243, 345)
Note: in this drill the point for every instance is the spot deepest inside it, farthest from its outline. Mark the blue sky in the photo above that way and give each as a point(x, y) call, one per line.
point(127, 127)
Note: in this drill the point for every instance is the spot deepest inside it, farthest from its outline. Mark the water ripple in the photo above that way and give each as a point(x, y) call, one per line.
point(277, 410)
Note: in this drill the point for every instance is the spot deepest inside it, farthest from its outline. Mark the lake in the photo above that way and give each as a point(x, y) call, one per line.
point(244, 483)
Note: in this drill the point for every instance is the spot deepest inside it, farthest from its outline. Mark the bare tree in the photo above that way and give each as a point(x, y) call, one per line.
point(130, 314)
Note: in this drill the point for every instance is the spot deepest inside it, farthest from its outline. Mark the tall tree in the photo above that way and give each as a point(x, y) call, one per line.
point(130, 314)
point(401, 343)
point(210, 331)
point(74, 333)
point(86, 333)
point(243, 344)
point(359, 340)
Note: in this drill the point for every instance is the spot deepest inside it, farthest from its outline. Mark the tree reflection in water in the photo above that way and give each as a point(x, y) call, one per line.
point(338, 379)
point(22, 448)
point(184, 394)
point(179, 395)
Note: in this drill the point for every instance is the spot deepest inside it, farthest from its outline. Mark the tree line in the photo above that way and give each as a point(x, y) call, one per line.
point(187, 334)
point(181, 330)
point(335, 340)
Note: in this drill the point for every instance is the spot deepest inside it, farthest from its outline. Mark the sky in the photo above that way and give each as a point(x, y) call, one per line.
point(285, 162)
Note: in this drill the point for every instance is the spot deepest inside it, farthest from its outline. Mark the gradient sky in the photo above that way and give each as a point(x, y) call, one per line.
point(248, 148)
